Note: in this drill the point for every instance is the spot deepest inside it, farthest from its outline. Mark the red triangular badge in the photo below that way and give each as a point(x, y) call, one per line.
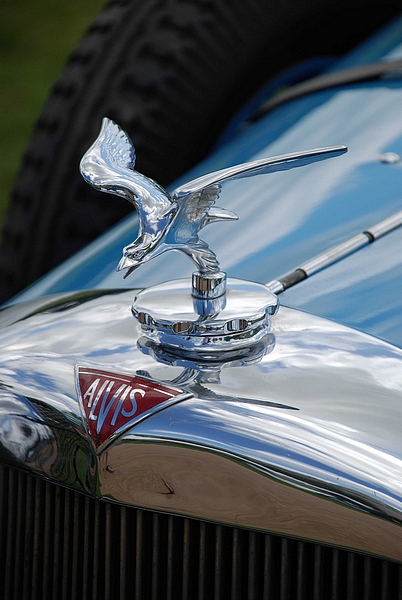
point(111, 402)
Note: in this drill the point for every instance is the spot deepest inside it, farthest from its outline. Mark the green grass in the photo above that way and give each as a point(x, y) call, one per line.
point(36, 37)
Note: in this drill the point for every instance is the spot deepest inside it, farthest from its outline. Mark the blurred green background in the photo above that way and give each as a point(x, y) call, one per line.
point(36, 37)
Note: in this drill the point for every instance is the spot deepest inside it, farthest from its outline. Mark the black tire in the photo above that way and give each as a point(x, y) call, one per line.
point(171, 73)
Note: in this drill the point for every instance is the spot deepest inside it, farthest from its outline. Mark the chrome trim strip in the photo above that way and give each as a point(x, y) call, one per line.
point(386, 226)
point(336, 253)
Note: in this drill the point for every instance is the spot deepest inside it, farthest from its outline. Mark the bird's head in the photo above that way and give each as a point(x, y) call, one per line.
point(137, 253)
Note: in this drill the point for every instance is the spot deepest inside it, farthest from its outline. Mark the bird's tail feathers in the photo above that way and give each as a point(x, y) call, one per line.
point(216, 213)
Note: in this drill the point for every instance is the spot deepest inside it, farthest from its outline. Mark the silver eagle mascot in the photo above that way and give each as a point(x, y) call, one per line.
point(171, 222)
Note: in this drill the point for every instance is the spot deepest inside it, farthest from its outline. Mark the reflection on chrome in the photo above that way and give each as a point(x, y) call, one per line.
point(42, 440)
point(24, 439)
point(203, 360)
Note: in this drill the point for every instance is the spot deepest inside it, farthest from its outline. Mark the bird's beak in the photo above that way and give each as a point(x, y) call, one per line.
point(130, 271)
point(128, 263)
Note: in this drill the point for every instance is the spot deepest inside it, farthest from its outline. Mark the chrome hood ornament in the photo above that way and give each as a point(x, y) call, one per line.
point(176, 314)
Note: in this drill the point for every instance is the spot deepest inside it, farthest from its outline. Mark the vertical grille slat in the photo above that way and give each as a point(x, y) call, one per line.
point(285, 568)
point(317, 573)
point(335, 574)
point(50, 543)
point(155, 556)
point(76, 547)
point(399, 581)
point(301, 572)
point(29, 534)
point(56, 543)
point(10, 548)
point(138, 554)
point(67, 550)
point(170, 560)
point(236, 565)
point(202, 572)
point(218, 562)
point(108, 551)
point(124, 554)
point(19, 542)
point(86, 578)
point(351, 577)
point(186, 561)
point(268, 567)
point(37, 541)
point(252, 566)
point(367, 579)
point(99, 544)
point(384, 580)
point(3, 508)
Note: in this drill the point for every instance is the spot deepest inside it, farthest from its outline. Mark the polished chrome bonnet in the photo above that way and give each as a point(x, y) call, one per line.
point(303, 440)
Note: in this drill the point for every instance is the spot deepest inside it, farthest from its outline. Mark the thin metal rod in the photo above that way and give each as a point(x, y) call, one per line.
point(328, 258)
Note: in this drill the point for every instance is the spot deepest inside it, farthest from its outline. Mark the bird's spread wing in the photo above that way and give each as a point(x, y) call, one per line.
point(196, 210)
point(108, 165)
point(195, 206)
point(257, 167)
point(117, 144)
point(112, 147)
point(196, 197)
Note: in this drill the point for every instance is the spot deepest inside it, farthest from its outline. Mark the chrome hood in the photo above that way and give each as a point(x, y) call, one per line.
point(305, 442)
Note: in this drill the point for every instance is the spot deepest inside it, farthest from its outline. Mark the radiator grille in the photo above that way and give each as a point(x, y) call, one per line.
point(56, 543)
